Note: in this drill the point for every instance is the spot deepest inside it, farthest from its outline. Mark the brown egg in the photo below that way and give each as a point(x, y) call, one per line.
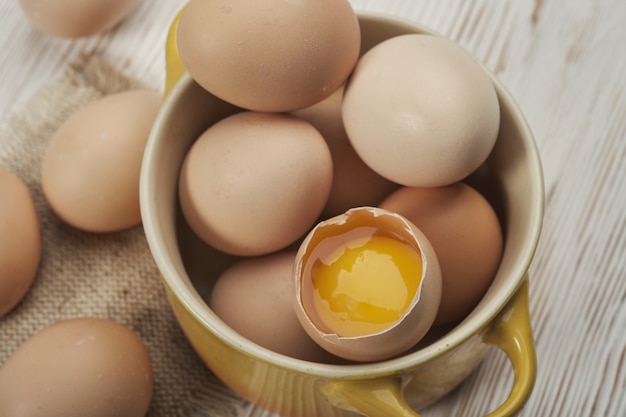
point(90, 171)
point(466, 235)
point(421, 111)
point(20, 240)
point(354, 183)
point(254, 297)
point(76, 18)
point(367, 284)
point(254, 183)
point(85, 367)
point(267, 55)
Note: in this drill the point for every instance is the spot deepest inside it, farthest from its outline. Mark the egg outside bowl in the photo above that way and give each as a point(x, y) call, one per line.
point(511, 179)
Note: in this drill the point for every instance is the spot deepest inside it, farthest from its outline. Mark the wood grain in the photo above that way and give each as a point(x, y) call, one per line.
point(565, 64)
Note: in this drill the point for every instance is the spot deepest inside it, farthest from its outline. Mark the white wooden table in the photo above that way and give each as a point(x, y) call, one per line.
point(565, 63)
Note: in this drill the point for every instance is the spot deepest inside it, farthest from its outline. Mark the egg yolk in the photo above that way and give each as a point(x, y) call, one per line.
point(366, 285)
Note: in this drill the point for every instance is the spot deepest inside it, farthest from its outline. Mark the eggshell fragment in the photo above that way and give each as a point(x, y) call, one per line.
point(90, 170)
point(414, 322)
point(464, 230)
point(20, 240)
point(421, 111)
point(84, 367)
point(268, 55)
point(76, 18)
point(254, 183)
point(253, 296)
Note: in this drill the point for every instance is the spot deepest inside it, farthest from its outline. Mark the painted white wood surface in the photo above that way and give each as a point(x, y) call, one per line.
point(565, 63)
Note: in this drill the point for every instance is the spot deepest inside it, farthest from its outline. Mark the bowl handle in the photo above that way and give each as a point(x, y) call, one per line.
point(510, 331)
point(374, 397)
point(174, 67)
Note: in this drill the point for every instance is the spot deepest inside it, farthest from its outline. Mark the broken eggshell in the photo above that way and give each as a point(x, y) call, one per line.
point(415, 321)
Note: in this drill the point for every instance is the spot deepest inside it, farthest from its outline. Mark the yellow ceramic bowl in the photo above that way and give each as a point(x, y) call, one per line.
point(511, 178)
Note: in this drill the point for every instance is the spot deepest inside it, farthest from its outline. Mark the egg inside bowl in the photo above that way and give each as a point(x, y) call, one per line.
point(510, 179)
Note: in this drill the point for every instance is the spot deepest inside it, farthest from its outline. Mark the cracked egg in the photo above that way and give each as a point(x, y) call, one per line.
point(367, 284)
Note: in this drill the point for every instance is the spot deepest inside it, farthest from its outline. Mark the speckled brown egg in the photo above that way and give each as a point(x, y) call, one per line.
point(421, 111)
point(269, 55)
point(466, 235)
point(254, 183)
point(354, 183)
point(90, 170)
point(20, 240)
point(76, 18)
point(83, 367)
point(254, 297)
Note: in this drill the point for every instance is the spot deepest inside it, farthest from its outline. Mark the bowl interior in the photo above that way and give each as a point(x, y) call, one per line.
point(511, 179)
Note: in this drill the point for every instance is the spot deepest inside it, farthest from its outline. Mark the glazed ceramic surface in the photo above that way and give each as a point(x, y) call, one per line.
point(511, 179)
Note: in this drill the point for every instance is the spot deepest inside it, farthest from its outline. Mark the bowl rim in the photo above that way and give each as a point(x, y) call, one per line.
point(200, 311)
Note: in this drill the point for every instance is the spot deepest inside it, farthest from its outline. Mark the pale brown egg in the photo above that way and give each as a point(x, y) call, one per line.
point(421, 111)
point(85, 367)
point(254, 183)
point(465, 232)
point(367, 284)
point(76, 18)
point(90, 170)
point(267, 55)
point(254, 297)
point(354, 183)
point(20, 240)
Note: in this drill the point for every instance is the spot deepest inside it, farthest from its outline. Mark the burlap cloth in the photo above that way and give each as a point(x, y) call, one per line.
point(100, 275)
